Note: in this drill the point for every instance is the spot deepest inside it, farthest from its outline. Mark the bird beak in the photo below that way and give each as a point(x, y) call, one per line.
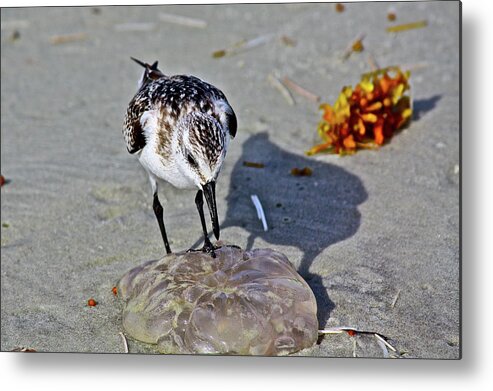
point(210, 196)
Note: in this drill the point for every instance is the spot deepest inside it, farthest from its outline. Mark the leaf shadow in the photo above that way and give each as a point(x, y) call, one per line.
point(422, 106)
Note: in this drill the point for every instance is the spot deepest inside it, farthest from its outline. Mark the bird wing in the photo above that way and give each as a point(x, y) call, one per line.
point(132, 127)
point(208, 97)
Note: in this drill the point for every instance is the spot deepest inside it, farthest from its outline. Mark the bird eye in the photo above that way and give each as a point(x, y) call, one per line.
point(191, 160)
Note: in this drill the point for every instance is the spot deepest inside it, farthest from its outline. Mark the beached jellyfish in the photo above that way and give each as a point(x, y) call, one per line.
point(241, 302)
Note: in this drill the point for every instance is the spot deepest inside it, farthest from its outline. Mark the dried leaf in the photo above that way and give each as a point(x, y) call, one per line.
point(358, 46)
point(340, 7)
point(288, 41)
point(305, 171)
point(219, 53)
point(253, 164)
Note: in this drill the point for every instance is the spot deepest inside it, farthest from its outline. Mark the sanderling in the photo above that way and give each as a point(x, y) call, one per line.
point(180, 127)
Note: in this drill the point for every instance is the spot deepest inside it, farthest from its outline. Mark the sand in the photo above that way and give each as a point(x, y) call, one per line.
point(376, 235)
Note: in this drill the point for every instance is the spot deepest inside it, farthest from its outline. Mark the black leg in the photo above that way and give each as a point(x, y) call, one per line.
point(208, 247)
point(158, 211)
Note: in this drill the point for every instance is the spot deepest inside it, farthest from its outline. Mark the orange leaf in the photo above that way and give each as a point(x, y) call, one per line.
point(361, 125)
point(374, 106)
point(369, 117)
point(349, 142)
point(378, 130)
point(385, 84)
point(318, 148)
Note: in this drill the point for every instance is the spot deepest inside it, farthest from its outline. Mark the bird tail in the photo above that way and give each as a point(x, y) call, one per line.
point(151, 72)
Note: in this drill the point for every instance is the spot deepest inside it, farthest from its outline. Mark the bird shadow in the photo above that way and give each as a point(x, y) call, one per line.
point(422, 106)
point(309, 212)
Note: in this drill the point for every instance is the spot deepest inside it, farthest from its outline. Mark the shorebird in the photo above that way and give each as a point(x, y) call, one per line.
point(180, 127)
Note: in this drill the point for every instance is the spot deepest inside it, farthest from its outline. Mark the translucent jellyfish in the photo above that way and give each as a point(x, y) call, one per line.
point(241, 302)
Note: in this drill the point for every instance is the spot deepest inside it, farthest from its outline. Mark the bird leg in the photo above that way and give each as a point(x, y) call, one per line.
point(208, 246)
point(158, 211)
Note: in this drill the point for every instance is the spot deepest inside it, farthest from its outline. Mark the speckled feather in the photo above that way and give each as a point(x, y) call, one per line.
point(174, 97)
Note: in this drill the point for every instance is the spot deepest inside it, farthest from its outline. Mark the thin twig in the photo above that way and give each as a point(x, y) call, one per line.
point(381, 339)
point(350, 48)
point(373, 63)
point(253, 164)
point(384, 340)
point(260, 210)
point(415, 67)
point(395, 299)
point(337, 330)
point(276, 83)
point(59, 39)
point(407, 26)
point(124, 339)
point(300, 90)
point(243, 46)
point(183, 20)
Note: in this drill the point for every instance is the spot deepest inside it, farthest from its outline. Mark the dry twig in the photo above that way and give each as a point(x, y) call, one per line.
point(355, 46)
point(395, 299)
point(60, 39)
point(243, 46)
point(407, 26)
point(276, 83)
point(381, 339)
point(253, 164)
point(300, 90)
point(183, 20)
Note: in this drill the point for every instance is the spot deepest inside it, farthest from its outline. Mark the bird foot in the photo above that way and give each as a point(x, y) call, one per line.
point(208, 248)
